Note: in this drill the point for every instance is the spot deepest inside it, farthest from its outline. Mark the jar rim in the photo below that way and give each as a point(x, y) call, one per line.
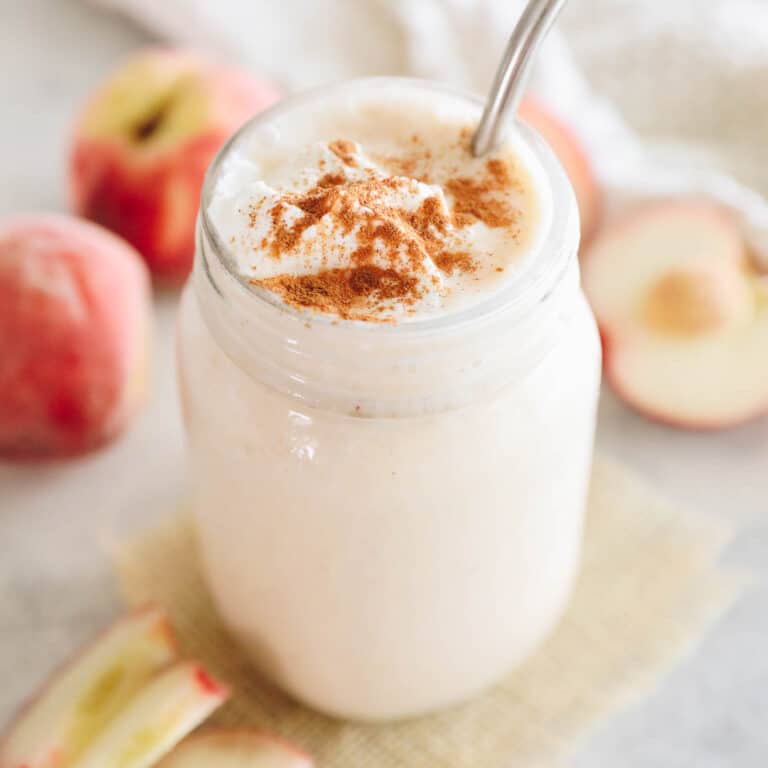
point(547, 260)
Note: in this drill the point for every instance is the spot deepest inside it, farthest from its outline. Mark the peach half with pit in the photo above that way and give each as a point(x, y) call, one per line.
point(683, 314)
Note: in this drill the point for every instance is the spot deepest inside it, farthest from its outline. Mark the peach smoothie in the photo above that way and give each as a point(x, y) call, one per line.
point(389, 376)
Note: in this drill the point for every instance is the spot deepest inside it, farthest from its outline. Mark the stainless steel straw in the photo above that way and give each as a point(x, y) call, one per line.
point(509, 83)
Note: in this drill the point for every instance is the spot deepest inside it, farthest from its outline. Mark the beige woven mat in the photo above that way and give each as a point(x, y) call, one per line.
point(649, 583)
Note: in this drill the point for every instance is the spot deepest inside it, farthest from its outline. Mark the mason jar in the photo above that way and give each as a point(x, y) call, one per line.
point(390, 514)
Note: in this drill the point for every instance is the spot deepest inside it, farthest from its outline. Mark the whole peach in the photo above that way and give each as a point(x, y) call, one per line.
point(74, 327)
point(574, 160)
point(144, 142)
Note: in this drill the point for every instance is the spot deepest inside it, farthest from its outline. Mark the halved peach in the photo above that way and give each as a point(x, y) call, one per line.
point(236, 749)
point(53, 729)
point(682, 313)
point(156, 719)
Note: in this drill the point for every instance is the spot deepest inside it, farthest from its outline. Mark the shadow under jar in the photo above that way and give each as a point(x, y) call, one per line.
point(390, 515)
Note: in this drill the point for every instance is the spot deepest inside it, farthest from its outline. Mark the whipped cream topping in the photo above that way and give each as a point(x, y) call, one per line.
point(365, 227)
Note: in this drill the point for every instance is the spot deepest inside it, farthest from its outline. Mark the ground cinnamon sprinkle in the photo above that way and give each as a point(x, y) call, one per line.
point(478, 199)
point(331, 180)
point(414, 165)
point(404, 166)
point(345, 151)
point(363, 255)
point(393, 244)
point(341, 290)
point(449, 262)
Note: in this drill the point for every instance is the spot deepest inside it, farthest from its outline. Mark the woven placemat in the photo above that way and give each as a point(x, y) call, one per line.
point(649, 584)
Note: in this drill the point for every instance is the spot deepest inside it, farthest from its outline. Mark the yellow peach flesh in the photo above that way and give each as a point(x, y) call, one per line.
point(56, 729)
point(152, 100)
point(691, 302)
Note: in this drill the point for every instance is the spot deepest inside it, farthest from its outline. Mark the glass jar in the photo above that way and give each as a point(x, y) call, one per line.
point(390, 516)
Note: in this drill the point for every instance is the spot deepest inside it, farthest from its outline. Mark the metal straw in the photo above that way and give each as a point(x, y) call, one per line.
point(511, 77)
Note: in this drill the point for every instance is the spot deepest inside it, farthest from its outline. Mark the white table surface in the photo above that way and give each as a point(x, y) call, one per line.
point(56, 521)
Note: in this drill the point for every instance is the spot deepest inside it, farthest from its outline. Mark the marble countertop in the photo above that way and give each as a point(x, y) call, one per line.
point(57, 521)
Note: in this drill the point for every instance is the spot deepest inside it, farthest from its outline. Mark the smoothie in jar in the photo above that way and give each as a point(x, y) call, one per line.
point(389, 376)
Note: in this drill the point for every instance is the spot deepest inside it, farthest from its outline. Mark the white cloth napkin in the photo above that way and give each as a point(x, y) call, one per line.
point(688, 76)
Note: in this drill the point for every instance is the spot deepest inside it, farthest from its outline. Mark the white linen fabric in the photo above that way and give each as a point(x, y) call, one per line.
point(668, 97)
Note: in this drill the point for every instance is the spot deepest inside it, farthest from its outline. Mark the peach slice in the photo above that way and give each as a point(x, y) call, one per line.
point(574, 160)
point(85, 694)
point(236, 749)
point(156, 719)
point(682, 313)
